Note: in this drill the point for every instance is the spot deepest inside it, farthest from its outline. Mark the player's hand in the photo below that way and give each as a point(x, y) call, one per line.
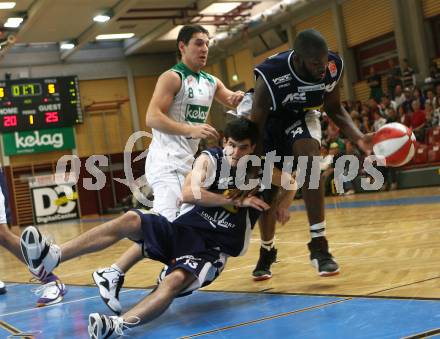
point(235, 98)
point(237, 194)
point(253, 202)
point(282, 215)
point(366, 143)
point(203, 131)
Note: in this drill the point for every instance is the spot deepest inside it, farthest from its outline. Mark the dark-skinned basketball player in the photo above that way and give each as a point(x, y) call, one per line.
point(290, 89)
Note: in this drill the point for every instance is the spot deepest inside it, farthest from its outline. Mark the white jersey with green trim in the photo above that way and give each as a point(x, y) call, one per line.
point(170, 153)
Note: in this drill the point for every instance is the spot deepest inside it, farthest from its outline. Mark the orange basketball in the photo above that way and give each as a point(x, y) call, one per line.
point(395, 143)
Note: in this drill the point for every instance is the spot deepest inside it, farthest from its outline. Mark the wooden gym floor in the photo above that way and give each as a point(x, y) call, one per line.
point(387, 244)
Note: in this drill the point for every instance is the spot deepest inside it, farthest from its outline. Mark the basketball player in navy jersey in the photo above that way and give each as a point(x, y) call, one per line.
point(290, 89)
point(194, 246)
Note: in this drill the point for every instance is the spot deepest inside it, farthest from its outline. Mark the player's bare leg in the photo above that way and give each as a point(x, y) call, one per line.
point(320, 256)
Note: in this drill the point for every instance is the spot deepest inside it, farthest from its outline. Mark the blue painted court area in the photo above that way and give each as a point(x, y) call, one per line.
point(227, 315)
point(431, 199)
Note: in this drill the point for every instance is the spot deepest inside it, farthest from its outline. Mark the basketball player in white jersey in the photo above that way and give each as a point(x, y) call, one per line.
point(53, 290)
point(177, 114)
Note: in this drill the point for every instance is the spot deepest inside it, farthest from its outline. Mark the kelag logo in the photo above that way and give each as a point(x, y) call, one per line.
point(196, 113)
point(38, 141)
point(35, 139)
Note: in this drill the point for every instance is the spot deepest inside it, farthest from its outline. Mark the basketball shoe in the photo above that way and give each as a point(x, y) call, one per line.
point(51, 292)
point(109, 282)
point(103, 326)
point(2, 287)
point(321, 258)
point(39, 254)
point(267, 258)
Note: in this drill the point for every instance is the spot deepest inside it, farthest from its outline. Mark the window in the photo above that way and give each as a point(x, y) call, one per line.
point(376, 53)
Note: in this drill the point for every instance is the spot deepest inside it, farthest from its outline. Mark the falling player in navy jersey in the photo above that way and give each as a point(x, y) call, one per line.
point(290, 89)
point(194, 246)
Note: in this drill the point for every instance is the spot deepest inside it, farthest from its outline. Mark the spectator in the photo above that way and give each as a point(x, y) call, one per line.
point(399, 97)
point(326, 158)
point(418, 95)
point(431, 120)
point(386, 104)
point(374, 82)
point(334, 136)
point(365, 127)
point(436, 100)
point(379, 121)
point(436, 116)
point(326, 175)
point(430, 96)
point(418, 121)
point(365, 110)
point(354, 114)
point(351, 149)
point(408, 99)
point(408, 76)
point(404, 117)
point(392, 116)
point(393, 77)
point(434, 73)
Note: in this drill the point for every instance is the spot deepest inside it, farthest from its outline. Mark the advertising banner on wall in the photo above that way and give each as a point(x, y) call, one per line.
point(38, 141)
point(52, 202)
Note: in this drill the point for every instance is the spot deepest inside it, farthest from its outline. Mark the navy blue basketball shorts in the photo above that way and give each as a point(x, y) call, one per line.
point(280, 135)
point(179, 247)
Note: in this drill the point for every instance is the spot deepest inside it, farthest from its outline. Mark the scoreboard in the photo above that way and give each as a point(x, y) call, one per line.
point(28, 104)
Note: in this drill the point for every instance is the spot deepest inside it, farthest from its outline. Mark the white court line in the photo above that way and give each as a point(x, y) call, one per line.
point(60, 304)
point(12, 284)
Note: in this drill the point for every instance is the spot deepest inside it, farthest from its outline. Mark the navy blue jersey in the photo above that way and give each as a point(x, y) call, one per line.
point(292, 97)
point(225, 227)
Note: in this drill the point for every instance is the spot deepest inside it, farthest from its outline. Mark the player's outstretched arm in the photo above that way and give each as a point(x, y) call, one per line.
point(227, 97)
point(336, 112)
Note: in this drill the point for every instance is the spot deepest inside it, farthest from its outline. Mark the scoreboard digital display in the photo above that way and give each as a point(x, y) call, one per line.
point(28, 104)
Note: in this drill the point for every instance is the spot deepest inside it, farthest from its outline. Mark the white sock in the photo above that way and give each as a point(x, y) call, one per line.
point(317, 230)
point(116, 267)
point(268, 244)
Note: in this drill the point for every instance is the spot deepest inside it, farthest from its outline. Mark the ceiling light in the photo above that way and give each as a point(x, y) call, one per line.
point(67, 45)
point(115, 36)
point(220, 8)
point(221, 35)
point(13, 22)
point(101, 18)
point(7, 5)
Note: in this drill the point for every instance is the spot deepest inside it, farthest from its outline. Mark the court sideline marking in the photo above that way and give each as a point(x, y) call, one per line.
point(60, 304)
point(275, 316)
point(16, 333)
point(310, 308)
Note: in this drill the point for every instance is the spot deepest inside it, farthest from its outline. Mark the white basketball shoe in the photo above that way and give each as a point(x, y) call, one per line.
point(109, 282)
point(39, 254)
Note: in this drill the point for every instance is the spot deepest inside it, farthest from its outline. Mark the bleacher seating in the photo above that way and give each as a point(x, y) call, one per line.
point(421, 156)
point(434, 153)
point(433, 135)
